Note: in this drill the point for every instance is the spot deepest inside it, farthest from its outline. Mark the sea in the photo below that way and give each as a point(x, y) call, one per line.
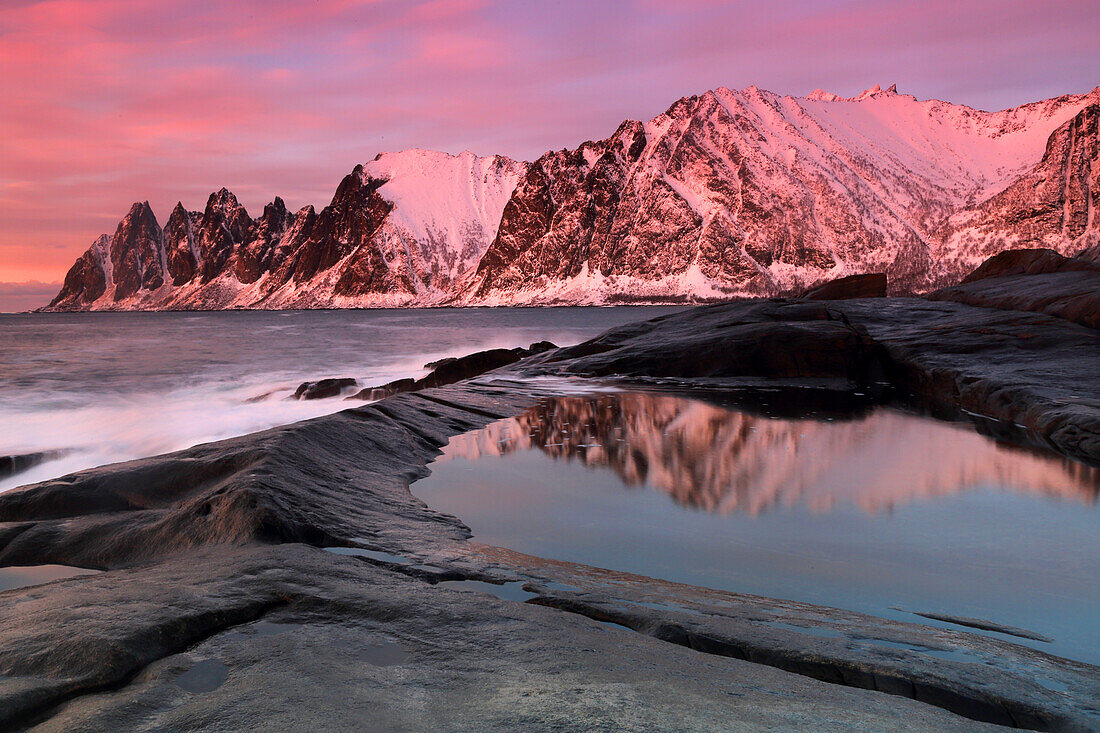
point(98, 388)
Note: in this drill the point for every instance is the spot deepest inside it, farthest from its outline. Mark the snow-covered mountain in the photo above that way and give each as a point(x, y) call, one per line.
point(399, 230)
point(752, 193)
point(732, 192)
point(1052, 205)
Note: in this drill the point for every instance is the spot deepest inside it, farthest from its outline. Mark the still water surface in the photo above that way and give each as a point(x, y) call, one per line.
point(107, 387)
point(885, 513)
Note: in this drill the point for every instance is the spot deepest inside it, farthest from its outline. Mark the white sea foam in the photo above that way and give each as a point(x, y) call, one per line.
point(114, 387)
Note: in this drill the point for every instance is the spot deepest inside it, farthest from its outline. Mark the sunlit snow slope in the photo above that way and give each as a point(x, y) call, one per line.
point(749, 192)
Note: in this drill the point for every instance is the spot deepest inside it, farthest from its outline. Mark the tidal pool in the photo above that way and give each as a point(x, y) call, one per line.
point(885, 513)
point(27, 575)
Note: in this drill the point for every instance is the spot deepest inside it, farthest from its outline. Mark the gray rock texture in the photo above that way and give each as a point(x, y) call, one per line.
point(1066, 287)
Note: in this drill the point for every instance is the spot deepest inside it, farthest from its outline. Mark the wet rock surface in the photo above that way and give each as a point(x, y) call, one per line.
point(13, 464)
point(871, 285)
point(455, 369)
point(957, 671)
point(776, 339)
point(979, 623)
point(202, 545)
point(323, 388)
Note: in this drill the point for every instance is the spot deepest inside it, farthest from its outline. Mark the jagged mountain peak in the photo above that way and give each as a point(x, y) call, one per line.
point(275, 210)
point(876, 91)
point(223, 200)
point(417, 162)
point(747, 192)
point(140, 209)
point(820, 95)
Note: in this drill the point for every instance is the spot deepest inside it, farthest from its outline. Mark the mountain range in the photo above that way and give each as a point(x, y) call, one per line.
point(725, 194)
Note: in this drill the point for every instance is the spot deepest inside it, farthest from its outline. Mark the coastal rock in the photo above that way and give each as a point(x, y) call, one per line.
point(189, 602)
point(1038, 280)
point(781, 339)
point(826, 644)
point(455, 369)
point(983, 624)
point(947, 356)
point(471, 365)
point(17, 463)
point(440, 362)
point(871, 285)
point(288, 484)
point(323, 388)
point(540, 346)
point(357, 643)
point(207, 563)
point(389, 388)
point(1036, 261)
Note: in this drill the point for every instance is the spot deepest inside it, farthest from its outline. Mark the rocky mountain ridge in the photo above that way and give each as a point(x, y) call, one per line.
point(402, 227)
point(729, 193)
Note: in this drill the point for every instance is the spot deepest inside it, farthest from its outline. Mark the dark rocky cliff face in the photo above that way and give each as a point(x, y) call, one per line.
point(254, 258)
point(224, 227)
point(341, 234)
point(345, 229)
point(136, 258)
point(85, 282)
point(562, 213)
point(285, 253)
point(179, 245)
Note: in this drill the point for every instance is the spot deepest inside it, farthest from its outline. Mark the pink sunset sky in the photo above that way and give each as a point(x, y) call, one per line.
point(106, 102)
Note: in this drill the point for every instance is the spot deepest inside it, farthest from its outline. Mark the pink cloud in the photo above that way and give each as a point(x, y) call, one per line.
point(111, 101)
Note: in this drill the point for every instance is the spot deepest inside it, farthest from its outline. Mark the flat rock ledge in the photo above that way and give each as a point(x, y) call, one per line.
point(222, 609)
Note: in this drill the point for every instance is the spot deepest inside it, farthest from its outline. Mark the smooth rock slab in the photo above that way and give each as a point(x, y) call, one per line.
point(471, 662)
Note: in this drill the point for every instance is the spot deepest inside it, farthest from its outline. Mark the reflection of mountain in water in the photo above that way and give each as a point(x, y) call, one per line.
point(728, 461)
